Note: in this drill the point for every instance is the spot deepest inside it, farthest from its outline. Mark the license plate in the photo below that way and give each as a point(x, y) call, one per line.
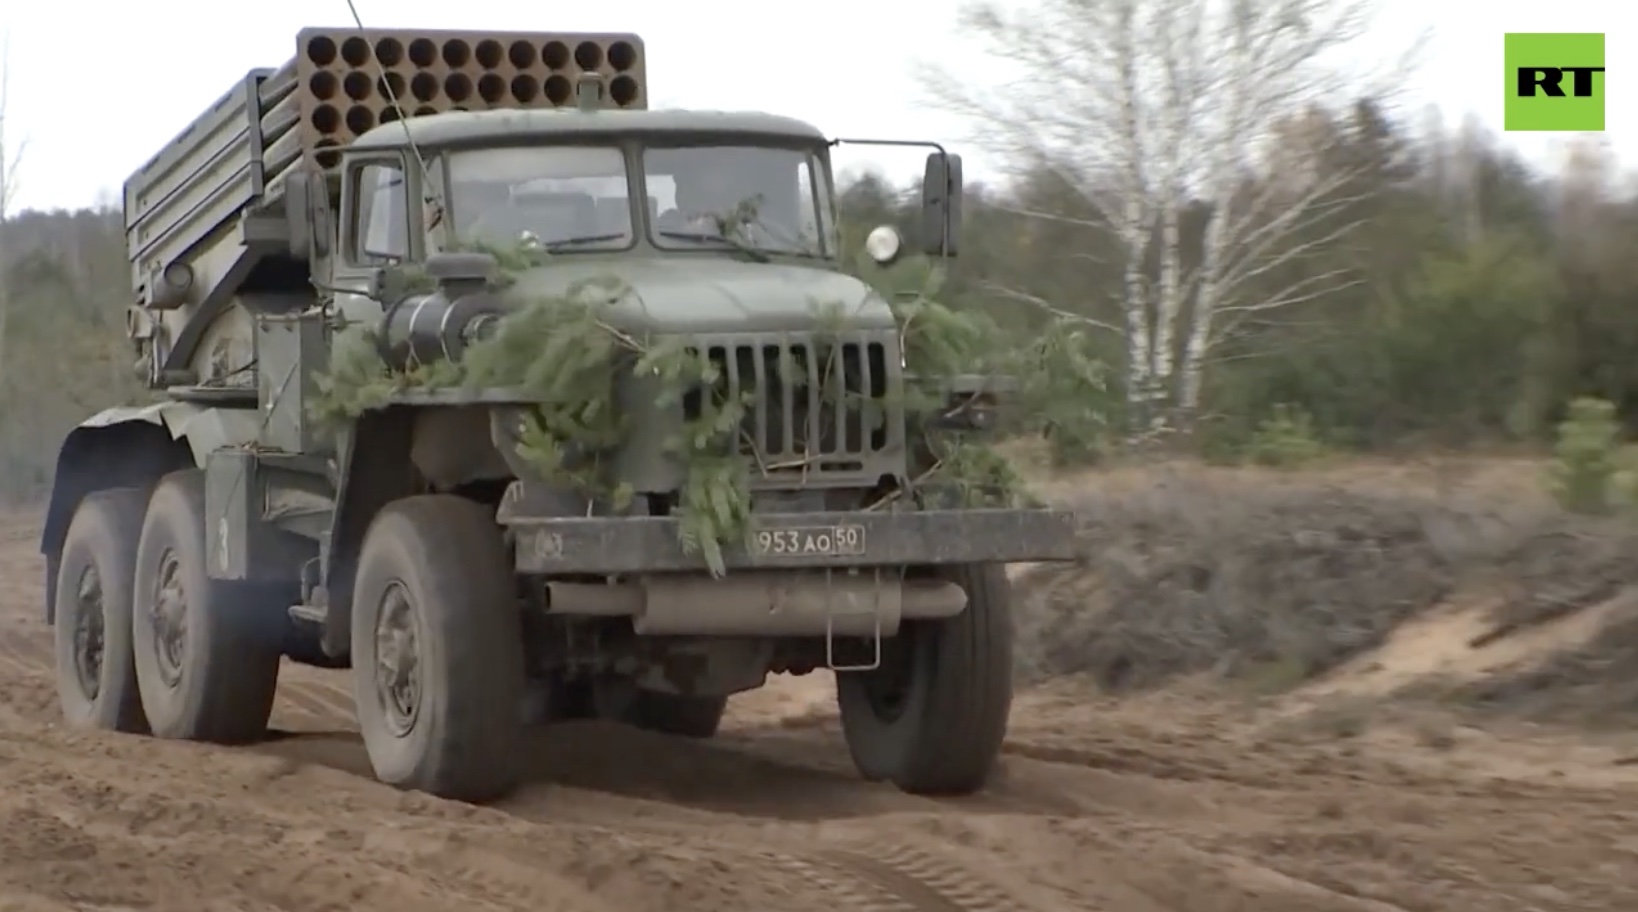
point(810, 541)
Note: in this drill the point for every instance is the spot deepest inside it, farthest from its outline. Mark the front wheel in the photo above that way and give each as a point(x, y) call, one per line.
point(438, 671)
point(932, 717)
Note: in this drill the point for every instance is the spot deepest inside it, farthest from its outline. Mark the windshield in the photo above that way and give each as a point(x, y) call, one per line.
point(770, 199)
point(556, 196)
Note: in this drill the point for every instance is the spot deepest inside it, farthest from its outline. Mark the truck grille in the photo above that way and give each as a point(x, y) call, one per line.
point(813, 409)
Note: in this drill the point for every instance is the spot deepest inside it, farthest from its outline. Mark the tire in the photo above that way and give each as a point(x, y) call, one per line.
point(218, 684)
point(675, 714)
point(96, 677)
point(931, 719)
point(438, 569)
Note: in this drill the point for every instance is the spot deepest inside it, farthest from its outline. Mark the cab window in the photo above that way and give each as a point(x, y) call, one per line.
point(559, 197)
point(768, 197)
point(381, 231)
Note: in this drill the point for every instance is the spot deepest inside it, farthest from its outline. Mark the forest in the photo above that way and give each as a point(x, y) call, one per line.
point(1205, 240)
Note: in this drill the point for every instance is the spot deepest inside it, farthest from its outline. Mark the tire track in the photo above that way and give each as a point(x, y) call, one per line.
point(824, 751)
point(490, 877)
point(922, 881)
point(316, 695)
point(297, 698)
point(490, 870)
point(862, 879)
point(25, 650)
point(842, 885)
point(853, 873)
point(320, 701)
point(853, 876)
point(1141, 761)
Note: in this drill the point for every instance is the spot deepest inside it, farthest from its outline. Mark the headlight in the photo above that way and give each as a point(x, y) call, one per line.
point(883, 244)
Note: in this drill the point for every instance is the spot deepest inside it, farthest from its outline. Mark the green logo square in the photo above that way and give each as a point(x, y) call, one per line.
point(1555, 82)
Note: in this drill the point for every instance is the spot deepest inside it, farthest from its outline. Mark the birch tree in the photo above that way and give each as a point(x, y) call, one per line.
point(1148, 108)
point(11, 158)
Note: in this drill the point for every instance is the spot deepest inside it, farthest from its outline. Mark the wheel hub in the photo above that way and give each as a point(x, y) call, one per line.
point(88, 633)
point(397, 660)
point(170, 620)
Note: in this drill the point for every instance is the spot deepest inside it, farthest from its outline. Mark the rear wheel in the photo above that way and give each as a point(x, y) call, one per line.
point(96, 677)
point(207, 651)
point(932, 717)
point(438, 670)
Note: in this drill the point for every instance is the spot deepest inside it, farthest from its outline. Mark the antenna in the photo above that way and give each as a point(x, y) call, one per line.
point(430, 193)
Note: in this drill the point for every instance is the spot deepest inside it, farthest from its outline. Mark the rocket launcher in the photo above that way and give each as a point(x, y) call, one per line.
point(188, 210)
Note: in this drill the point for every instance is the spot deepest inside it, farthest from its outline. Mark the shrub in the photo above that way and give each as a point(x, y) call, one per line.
point(1285, 439)
point(1587, 457)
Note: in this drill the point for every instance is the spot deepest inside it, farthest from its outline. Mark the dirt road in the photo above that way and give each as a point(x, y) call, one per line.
point(1179, 801)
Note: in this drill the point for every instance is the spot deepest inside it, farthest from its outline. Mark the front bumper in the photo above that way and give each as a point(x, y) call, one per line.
point(648, 544)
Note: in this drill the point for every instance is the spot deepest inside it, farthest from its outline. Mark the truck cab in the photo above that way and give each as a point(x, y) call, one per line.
point(592, 182)
point(668, 199)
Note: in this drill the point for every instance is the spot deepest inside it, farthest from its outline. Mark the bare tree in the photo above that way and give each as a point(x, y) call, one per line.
point(1149, 107)
point(11, 158)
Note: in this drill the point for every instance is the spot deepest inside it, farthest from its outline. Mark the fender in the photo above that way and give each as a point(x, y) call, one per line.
point(204, 428)
point(133, 446)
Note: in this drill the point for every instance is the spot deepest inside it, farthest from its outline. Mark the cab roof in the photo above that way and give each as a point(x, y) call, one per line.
point(501, 126)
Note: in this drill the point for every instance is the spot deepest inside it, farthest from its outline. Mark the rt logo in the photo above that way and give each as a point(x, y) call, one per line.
point(1568, 95)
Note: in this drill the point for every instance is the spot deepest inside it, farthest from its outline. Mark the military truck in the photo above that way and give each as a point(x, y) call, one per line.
point(196, 542)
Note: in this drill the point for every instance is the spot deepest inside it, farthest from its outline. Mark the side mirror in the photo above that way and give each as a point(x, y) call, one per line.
point(299, 228)
point(941, 205)
point(307, 214)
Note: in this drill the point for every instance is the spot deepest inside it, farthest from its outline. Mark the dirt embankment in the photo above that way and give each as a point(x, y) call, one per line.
point(1275, 580)
point(1270, 695)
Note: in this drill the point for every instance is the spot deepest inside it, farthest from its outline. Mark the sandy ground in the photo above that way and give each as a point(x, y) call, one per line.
point(1186, 801)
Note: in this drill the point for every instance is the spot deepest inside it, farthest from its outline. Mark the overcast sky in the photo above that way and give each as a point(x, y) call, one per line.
point(96, 88)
